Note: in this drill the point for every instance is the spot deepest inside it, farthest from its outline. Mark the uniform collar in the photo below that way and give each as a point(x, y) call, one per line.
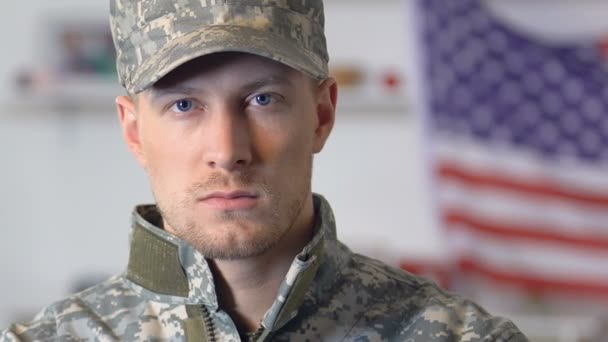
point(169, 269)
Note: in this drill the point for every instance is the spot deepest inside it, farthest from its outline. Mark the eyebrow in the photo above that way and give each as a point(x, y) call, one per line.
point(158, 92)
point(273, 80)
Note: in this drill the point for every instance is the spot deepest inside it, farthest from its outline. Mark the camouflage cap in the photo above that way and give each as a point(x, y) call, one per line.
point(153, 37)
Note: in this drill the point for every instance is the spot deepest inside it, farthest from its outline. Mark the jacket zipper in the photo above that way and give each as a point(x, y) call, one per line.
point(254, 337)
point(209, 327)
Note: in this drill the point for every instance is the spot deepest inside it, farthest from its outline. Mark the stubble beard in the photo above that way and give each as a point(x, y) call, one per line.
point(220, 242)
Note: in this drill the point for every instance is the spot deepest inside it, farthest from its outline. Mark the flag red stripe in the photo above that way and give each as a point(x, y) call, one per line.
point(455, 219)
point(532, 283)
point(539, 188)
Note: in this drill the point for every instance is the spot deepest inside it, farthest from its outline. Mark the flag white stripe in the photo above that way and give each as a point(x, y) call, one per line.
point(552, 215)
point(592, 179)
point(531, 258)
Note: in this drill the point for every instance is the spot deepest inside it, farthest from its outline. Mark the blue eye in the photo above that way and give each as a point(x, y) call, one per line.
point(184, 105)
point(263, 99)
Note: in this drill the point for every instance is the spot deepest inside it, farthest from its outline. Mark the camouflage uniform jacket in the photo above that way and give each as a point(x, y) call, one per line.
point(329, 294)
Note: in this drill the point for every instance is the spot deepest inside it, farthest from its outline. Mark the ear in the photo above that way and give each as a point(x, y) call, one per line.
point(129, 122)
point(327, 97)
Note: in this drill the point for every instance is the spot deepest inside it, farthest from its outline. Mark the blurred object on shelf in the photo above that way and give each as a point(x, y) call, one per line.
point(79, 47)
point(347, 76)
point(392, 81)
point(78, 70)
point(48, 91)
point(378, 89)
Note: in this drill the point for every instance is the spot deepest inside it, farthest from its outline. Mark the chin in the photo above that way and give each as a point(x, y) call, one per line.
point(234, 248)
point(234, 239)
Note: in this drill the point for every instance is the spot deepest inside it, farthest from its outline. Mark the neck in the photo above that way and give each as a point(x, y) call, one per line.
point(248, 287)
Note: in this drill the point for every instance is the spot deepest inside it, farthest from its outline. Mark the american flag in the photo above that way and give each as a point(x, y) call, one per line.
point(519, 143)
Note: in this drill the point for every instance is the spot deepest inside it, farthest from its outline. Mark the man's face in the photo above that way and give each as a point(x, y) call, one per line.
point(227, 142)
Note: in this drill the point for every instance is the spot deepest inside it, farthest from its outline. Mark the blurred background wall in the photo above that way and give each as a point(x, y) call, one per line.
point(68, 184)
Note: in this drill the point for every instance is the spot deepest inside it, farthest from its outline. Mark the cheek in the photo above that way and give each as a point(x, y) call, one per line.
point(286, 144)
point(166, 141)
point(166, 156)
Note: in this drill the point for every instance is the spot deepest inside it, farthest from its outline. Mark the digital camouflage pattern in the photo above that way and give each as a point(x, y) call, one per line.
point(329, 294)
point(153, 37)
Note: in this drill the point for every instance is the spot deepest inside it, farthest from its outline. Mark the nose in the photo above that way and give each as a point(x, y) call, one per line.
point(228, 140)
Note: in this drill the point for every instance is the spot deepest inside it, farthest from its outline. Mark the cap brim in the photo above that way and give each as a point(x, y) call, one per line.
point(225, 38)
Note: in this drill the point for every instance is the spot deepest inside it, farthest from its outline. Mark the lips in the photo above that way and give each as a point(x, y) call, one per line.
point(230, 195)
point(232, 200)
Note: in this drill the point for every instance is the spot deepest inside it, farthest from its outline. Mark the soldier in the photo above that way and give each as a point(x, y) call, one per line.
point(227, 103)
